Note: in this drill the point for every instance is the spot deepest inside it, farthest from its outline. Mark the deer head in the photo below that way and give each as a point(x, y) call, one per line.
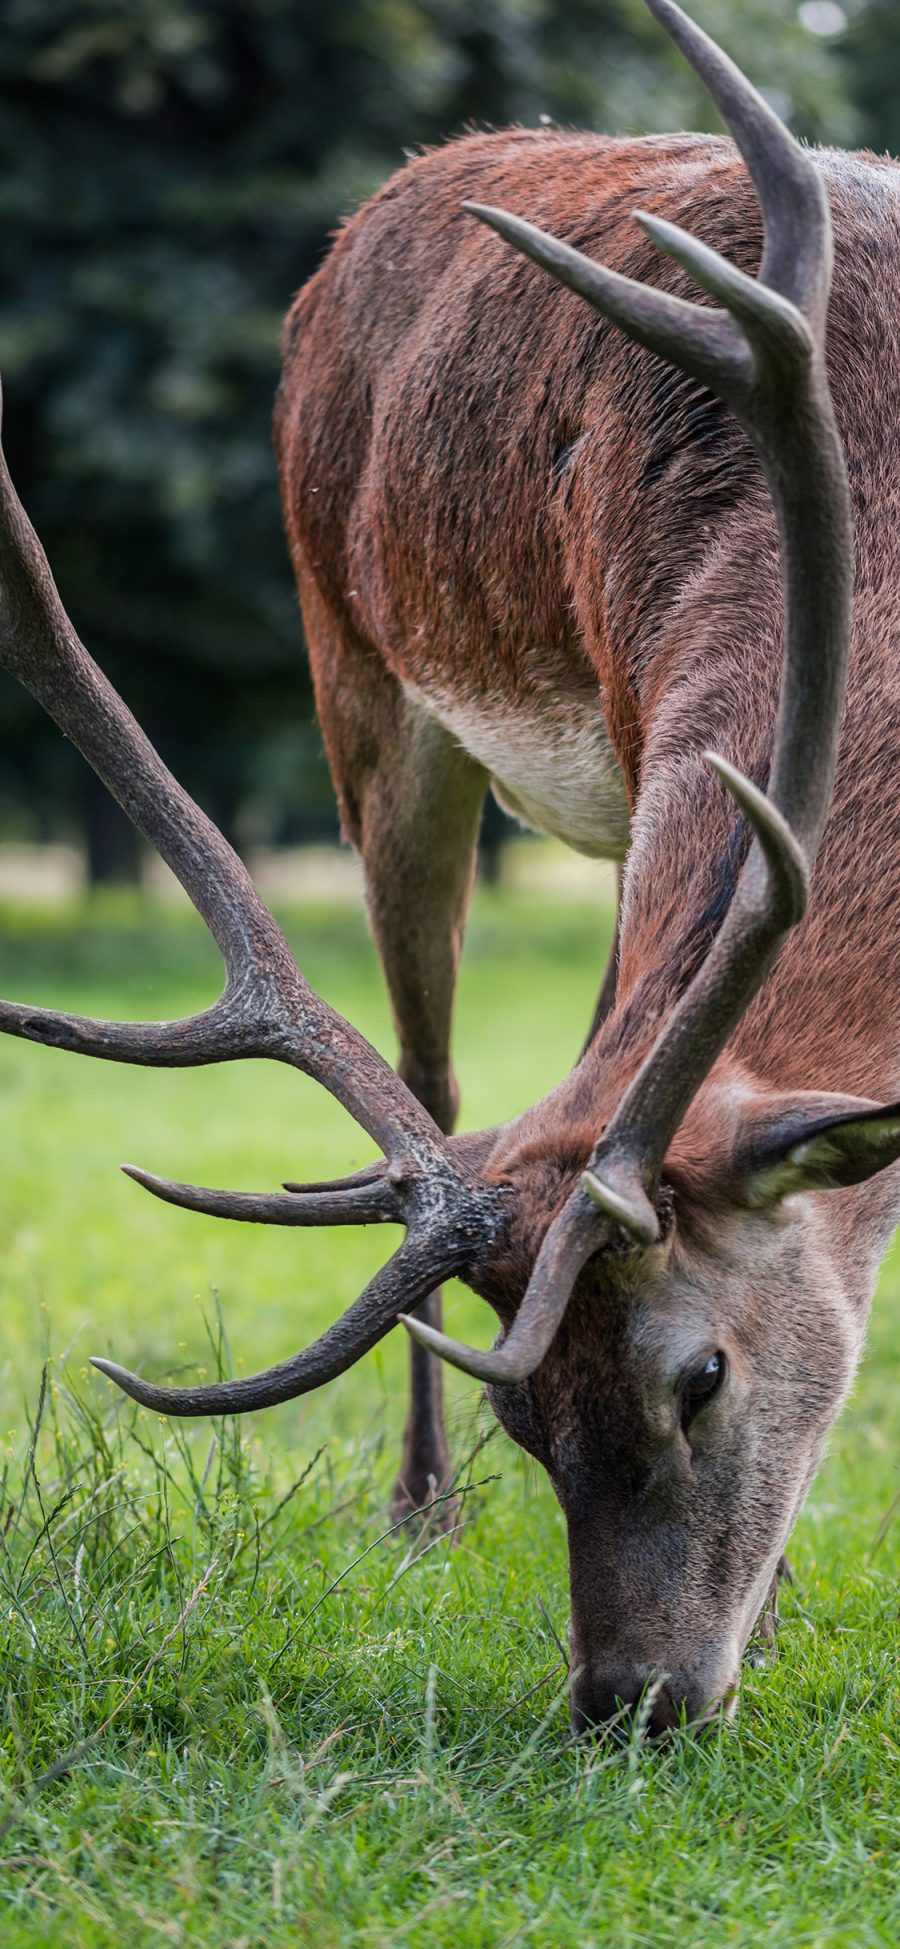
point(675, 1297)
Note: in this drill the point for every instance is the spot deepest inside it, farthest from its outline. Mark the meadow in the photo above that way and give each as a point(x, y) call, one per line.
point(238, 1707)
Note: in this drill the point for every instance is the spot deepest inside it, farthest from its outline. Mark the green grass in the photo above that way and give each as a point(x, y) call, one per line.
point(319, 1733)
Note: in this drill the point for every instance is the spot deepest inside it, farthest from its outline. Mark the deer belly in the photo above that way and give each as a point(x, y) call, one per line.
point(553, 767)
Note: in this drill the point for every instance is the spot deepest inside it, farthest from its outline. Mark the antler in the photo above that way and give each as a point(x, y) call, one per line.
point(763, 353)
point(413, 1272)
point(267, 1008)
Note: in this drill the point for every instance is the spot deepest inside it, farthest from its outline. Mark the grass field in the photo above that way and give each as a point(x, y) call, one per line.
point(237, 1712)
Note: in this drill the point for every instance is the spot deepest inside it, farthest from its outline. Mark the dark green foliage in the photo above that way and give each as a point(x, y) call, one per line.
point(871, 62)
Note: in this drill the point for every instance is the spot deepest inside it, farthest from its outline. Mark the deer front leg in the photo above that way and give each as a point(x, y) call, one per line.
point(411, 803)
point(419, 834)
point(606, 1000)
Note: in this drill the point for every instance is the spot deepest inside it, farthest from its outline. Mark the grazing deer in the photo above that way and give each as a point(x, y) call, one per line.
point(536, 550)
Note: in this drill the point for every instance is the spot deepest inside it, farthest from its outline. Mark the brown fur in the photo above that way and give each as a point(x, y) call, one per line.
point(490, 492)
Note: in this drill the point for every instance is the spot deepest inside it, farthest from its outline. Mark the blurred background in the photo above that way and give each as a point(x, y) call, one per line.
point(171, 172)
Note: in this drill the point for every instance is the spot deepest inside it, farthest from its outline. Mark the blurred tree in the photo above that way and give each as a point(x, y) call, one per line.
point(870, 56)
point(169, 173)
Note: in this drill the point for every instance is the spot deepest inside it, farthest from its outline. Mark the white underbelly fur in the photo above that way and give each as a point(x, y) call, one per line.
point(553, 768)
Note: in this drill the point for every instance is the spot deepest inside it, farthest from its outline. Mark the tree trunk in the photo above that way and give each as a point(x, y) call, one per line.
point(113, 847)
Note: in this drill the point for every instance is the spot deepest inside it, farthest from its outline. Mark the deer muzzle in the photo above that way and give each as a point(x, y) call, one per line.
point(628, 1694)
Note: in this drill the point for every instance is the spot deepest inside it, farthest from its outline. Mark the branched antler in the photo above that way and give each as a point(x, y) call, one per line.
point(267, 1009)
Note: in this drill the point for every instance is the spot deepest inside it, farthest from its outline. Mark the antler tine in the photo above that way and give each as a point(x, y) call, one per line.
point(797, 256)
point(704, 343)
point(565, 1250)
point(764, 354)
point(267, 1008)
point(407, 1279)
point(374, 1203)
point(366, 1174)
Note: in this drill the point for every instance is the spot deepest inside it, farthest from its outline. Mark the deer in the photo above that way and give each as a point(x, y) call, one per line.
point(621, 541)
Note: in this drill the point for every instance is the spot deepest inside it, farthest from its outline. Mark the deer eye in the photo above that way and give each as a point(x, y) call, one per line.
point(700, 1386)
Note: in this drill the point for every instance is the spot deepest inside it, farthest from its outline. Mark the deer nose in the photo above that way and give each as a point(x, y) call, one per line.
point(614, 1698)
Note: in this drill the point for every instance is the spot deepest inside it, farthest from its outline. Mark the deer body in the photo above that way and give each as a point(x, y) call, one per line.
point(608, 565)
point(544, 543)
point(543, 540)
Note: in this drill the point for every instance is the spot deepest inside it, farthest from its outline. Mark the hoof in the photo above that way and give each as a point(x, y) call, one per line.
point(763, 1643)
point(418, 1499)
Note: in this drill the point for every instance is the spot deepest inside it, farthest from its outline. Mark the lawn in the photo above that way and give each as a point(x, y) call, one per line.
point(236, 1710)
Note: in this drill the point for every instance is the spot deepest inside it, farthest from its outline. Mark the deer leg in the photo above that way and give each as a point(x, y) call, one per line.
point(764, 1638)
point(606, 1000)
point(411, 802)
point(419, 835)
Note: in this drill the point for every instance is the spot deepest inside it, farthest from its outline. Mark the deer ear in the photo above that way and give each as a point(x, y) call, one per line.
point(816, 1143)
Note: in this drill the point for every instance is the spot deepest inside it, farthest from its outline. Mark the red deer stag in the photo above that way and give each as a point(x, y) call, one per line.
point(530, 551)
